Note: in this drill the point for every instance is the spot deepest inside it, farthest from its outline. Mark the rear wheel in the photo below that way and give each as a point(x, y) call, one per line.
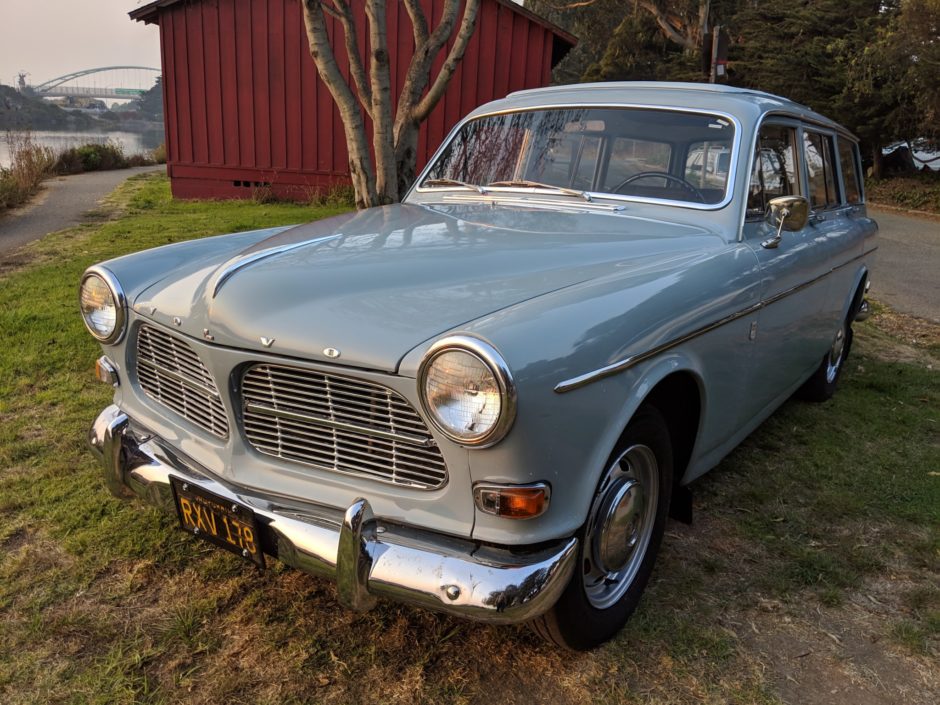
point(619, 541)
point(822, 385)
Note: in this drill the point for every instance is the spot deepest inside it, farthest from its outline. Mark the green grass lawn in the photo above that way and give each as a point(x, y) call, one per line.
point(810, 575)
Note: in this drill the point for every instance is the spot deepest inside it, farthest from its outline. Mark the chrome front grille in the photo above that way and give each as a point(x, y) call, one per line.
point(340, 424)
point(171, 373)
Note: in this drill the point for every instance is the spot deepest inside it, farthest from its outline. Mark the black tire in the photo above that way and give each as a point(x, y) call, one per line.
point(822, 385)
point(576, 622)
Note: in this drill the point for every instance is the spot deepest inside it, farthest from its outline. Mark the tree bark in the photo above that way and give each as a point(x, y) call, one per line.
point(383, 143)
point(360, 166)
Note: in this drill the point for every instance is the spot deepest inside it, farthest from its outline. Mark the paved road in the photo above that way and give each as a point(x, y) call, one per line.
point(906, 271)
point(60, 205)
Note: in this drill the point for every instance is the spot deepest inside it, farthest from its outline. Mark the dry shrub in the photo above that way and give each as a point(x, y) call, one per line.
point(30, 163)
point(158, 154)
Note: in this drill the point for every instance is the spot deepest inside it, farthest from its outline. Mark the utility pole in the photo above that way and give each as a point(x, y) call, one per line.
point(713, 74)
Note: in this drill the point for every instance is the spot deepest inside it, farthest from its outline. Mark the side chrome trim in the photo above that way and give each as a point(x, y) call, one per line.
point(633, 360)
point(235, 265)
point(628, 362)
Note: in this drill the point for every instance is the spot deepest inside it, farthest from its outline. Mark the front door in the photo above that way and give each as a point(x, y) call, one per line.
point(792, 330)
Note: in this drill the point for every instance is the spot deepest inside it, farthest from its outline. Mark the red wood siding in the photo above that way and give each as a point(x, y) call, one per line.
point(245, 106)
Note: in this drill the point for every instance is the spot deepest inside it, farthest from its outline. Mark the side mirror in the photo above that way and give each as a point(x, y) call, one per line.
point(788, 213)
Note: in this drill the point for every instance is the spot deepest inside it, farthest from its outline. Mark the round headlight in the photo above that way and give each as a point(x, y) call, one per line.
point(103, 305)
point(467, 391)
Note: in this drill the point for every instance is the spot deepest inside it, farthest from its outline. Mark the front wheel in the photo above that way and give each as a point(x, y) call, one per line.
point(619, 540)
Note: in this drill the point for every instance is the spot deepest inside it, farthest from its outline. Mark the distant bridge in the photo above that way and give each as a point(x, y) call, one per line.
point(121, 82)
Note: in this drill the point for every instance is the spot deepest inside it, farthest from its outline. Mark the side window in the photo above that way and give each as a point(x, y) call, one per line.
point(819, 166)
point(775, 169)
point(853, 191)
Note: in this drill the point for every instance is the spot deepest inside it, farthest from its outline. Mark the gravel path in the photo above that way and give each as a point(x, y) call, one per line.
point(60, 204)
point(906, 271)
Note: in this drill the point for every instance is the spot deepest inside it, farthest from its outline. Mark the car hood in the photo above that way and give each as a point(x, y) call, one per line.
point(372, 285)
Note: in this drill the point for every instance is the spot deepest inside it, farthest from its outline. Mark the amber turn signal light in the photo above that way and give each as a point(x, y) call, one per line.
point(513, 501)
point(106, 372)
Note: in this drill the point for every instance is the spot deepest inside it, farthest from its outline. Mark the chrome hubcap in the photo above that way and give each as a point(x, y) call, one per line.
point(620, 526)
point(835, 356)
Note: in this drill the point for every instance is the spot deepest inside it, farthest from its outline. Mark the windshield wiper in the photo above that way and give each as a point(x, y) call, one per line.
point(538, 184)
point(454, 182)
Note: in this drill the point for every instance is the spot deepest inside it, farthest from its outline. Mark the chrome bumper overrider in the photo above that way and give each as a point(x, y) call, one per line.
point(366, 557)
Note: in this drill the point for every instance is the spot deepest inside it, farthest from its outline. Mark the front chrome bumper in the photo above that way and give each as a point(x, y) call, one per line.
point(368, 558)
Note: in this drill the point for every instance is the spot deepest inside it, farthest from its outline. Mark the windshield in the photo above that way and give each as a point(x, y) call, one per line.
point(644, 153)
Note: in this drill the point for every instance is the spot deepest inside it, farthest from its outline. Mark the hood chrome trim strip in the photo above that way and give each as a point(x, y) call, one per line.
point(233, 266)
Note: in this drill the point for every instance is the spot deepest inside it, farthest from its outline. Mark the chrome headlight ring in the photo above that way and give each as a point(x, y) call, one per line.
point(119, 301)
point(494, 362)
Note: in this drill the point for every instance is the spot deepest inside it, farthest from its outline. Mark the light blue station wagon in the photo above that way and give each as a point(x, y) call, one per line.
point(487, 399)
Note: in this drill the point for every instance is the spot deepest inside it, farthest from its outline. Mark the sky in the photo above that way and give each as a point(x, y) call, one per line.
point(49, 38)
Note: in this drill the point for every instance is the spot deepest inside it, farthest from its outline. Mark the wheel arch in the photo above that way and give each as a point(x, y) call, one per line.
point(679, 397)
point(858, 293)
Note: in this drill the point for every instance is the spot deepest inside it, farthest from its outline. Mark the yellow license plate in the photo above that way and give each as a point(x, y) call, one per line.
point(227, 524)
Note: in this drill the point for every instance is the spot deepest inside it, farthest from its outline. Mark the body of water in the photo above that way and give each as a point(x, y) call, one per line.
point(130, 142)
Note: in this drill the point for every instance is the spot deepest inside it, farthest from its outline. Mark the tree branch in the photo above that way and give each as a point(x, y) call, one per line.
point(666, 26)
point(419, 23)
point(356, 68)
point(464, 34)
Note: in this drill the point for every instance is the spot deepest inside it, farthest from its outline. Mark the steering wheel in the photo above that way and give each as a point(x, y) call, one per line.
point(662, 175)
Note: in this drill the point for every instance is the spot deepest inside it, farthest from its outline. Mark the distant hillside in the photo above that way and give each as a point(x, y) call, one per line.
point(22, 112)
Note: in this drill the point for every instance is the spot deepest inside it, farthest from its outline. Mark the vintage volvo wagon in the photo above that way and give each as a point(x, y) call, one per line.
point(486, 400)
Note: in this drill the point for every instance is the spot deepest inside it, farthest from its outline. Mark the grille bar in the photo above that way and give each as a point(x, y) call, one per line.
point(171, 373)
point(340, 424)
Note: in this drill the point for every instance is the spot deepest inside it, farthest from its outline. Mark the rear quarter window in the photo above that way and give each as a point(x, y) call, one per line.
point(850, 176)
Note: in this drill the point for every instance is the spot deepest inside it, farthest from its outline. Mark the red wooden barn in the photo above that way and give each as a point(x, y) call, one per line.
point(245, 107)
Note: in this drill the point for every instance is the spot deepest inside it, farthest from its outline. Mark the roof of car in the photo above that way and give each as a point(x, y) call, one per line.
point(740, 102)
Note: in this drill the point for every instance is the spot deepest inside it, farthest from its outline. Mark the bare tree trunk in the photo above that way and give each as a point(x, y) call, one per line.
point(360, 165)
point(383, 143)
point(406, 155)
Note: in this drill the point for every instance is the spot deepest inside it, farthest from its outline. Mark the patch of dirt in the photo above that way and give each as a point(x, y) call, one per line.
point(837, 656)
point(917, 332)
point(17, 539)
